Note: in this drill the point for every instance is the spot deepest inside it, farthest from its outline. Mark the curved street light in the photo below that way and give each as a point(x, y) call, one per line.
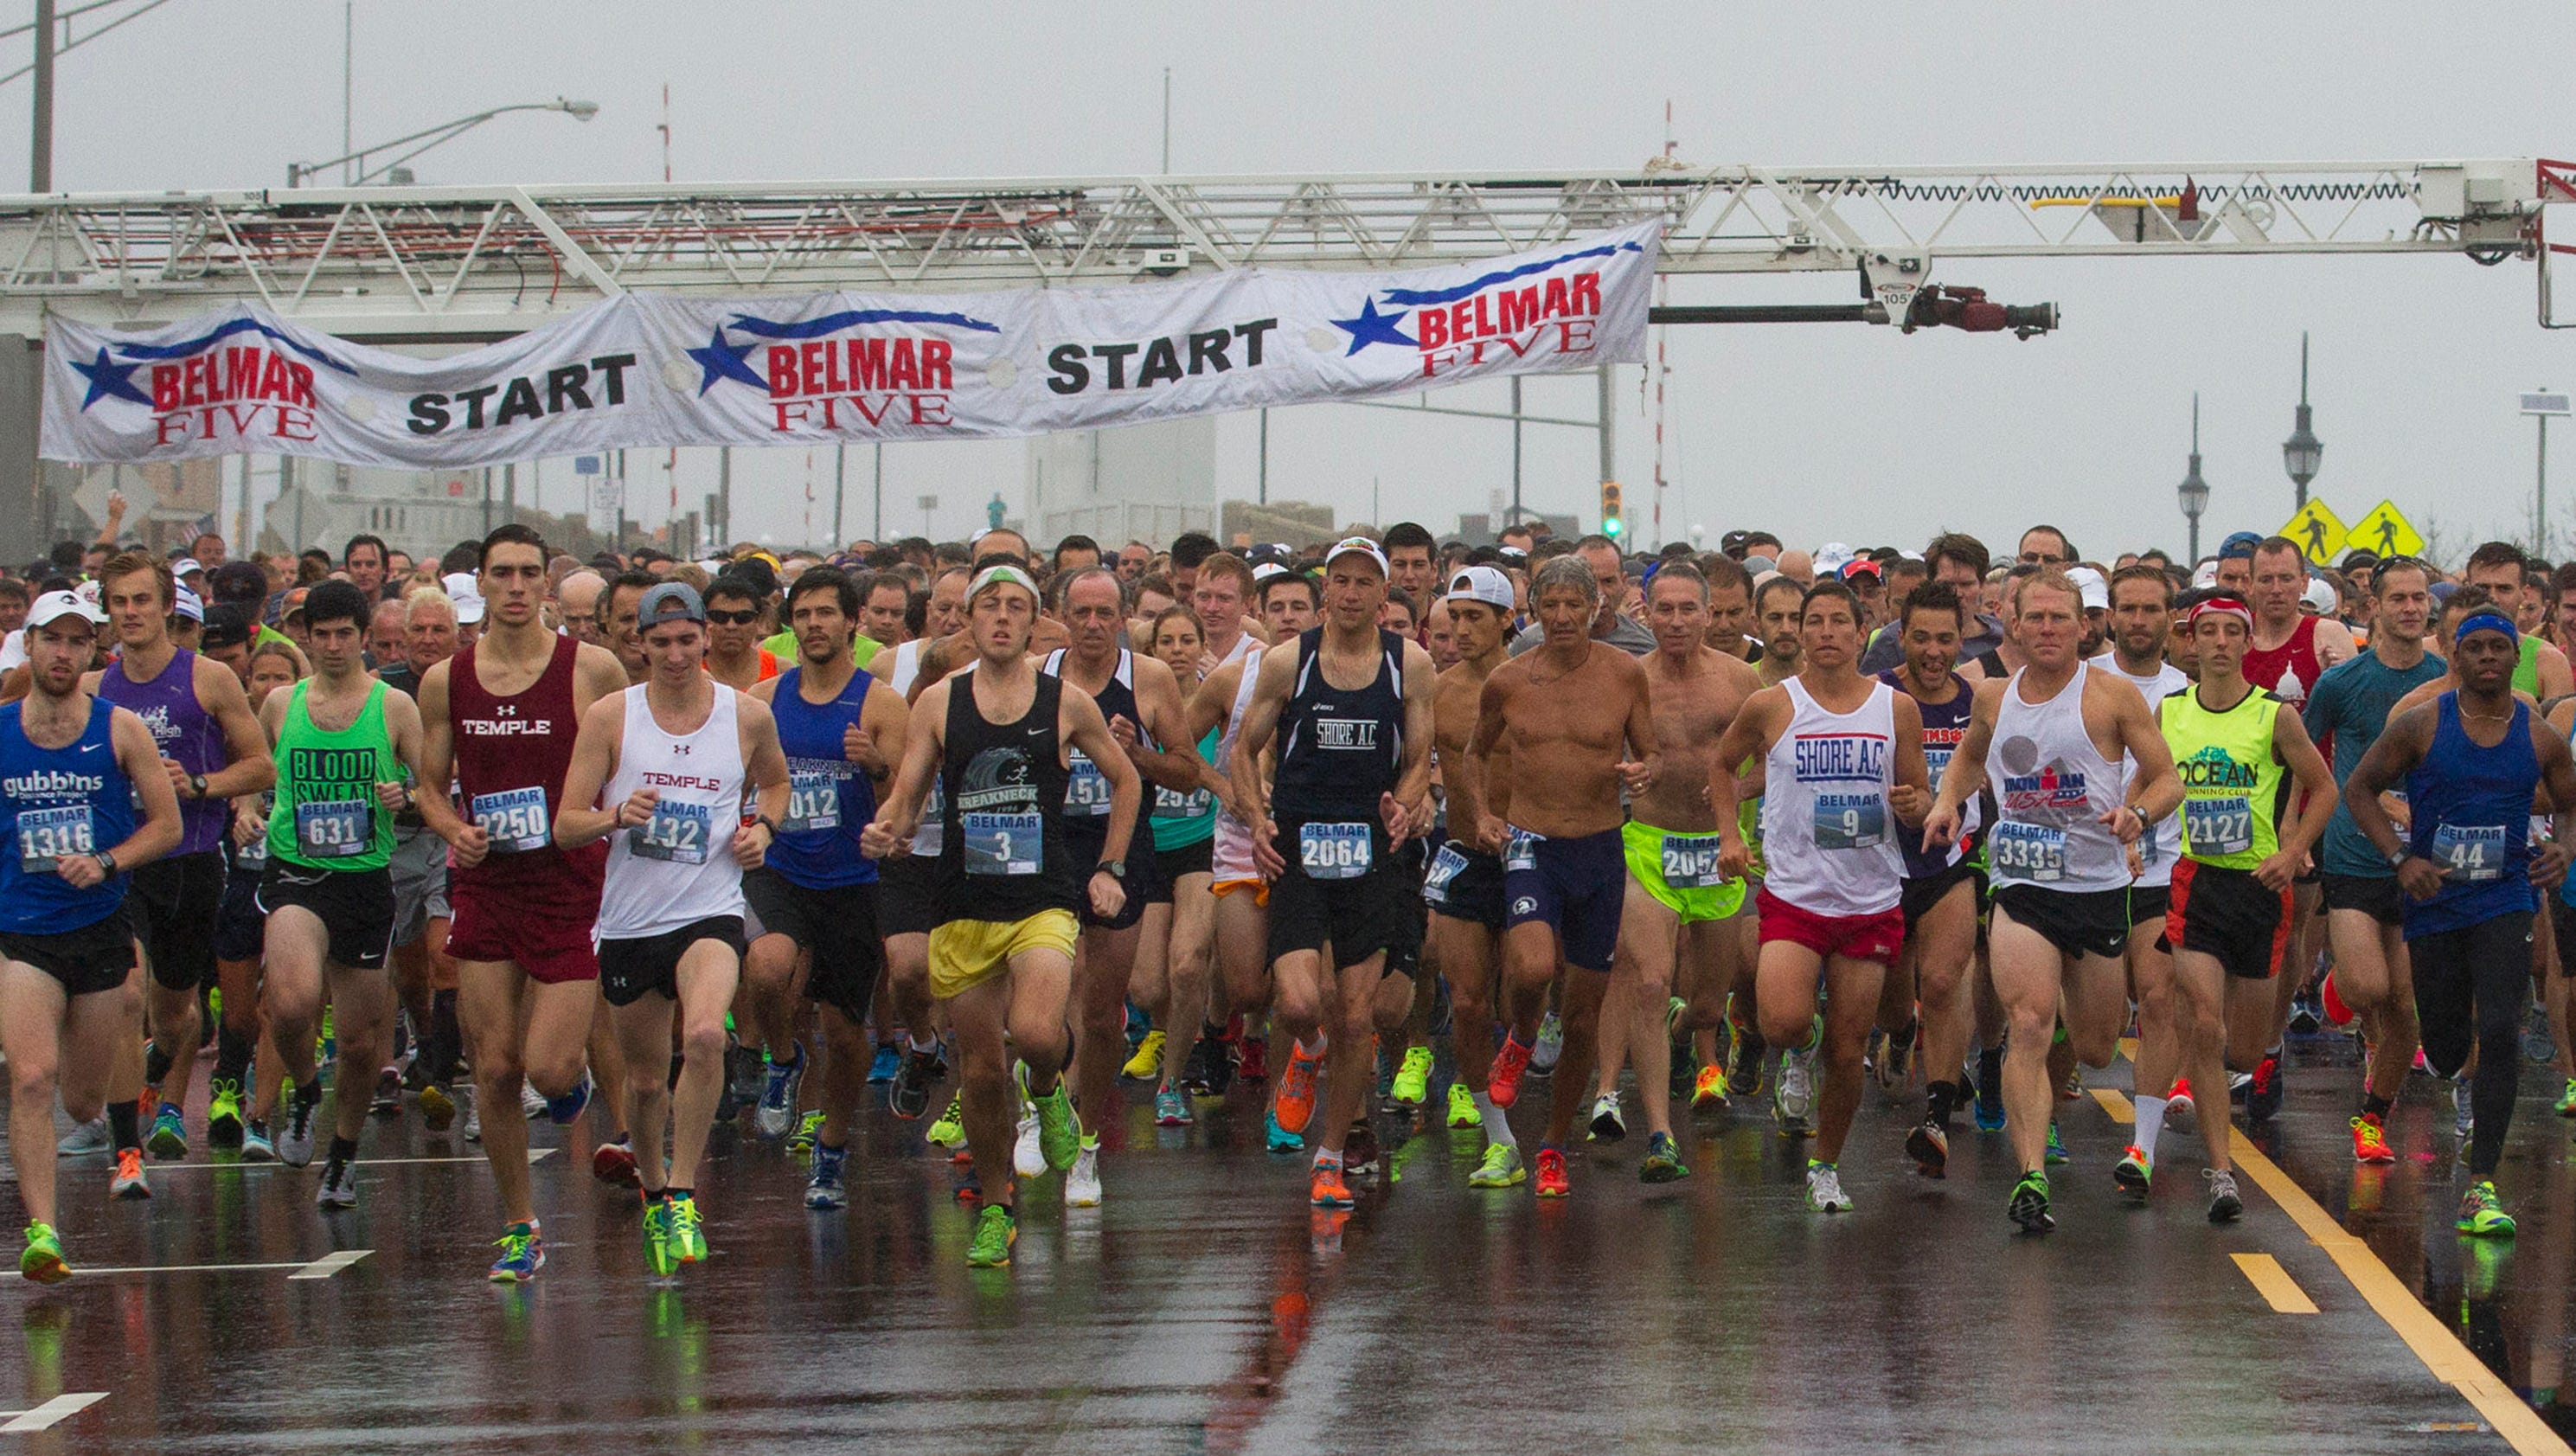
point(439, 135)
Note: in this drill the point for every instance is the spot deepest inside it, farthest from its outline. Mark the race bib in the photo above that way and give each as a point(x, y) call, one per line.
point(678, 833)
point(334, 828)
point(1445, 866)
point(813, 801)
point(1173, 804)
point(47, 836)
point(2469, 854)
point(1850, 821)
point(1936, 761)
point(2034, 852)
point(2218, 826)
point(1086, 788)
point(1690, 861)
point(515, 819)
point(1333, 851)
point(1520, 851)
point(1004, 844)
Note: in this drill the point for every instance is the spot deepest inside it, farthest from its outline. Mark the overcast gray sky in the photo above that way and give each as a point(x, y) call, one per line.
point(1817, 432)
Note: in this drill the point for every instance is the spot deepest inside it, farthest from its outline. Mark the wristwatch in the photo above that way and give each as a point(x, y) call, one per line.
point(1115, 869)
point(2397, 858)
point(765, 822)
point(106, 861)
point(197, 784)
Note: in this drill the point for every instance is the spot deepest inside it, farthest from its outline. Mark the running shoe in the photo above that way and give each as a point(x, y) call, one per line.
point(995, 1232)
point(778, 1088)
point(2370, 1140)
point(129, 1181)
point(1502, 1168)
point(2567, 1099)
point(1895, 1062)
point(1360, 1152)
point(2482, 1214)
point(1171, 1107)
point(2306, 1016)
point(1607, 1125)
point(168, 1139)
point(1708, 1090)
point(1059, 1130)
point(1295, 1103)
point(2225, 1206)
point(2178, 1099)
point(1462, 1107)
point(1990, 1099)
point(1278, 1139)
point(523, 1253)
point(659, 1255)
point(1825, 1189)
point(1082, 1180)
point(1663, 1160)
point(1929, 1146)
point(1503, 1083)
point(615, 1163)
point(800, 1143)
point(2464, 1114)
point(1743, 1063)
point(1196, 1067)
point(688, 1235)
point(532, 1103)
point(824, 1189)
point(389, 1089)
point(1147, 1063)
point(950, 1130)
point(437, 1110)
point(2029, 1203)
point(90, 1137)
point(472, 1130)
point(1251, 1062)
point(1793, 1103)
point(881, 1066)
point(2263, 1098)
point(1551, 1173)
point(339, 1185)
point(1413, 1077)
point(255, 1145)
point(1327, 1190)
point(295, 1139)
point(914, 1076)
point(1548, 1048)
point(1028, 1153)
point(2537, 1043)
point(2135, 1170)
point(2056, 1147)
point(2074, 1087)
point(43, 1261)
point(224, 1114)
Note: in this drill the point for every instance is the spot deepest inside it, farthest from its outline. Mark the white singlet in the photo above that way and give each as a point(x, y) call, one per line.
point(2157, 855)
point(1827, 832)
point(931, 835)
point(2051, 785)
point(678, 868)
point(1231, 859)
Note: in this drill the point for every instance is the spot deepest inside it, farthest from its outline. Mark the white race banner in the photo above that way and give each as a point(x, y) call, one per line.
point(644, 370)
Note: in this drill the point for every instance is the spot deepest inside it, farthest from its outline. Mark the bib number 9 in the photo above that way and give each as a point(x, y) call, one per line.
point(2033, 852)
point(678, 833)
point(1333, 851)
point(334, 828)
point(1850, 821)
point(48, 836)
point(514, 819)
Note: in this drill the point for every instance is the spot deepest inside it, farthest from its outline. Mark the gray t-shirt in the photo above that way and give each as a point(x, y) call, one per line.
point(1624, 634)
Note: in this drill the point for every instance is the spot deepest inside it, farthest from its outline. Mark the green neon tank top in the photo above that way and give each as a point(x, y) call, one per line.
point(327, 814)
point(2232, 782)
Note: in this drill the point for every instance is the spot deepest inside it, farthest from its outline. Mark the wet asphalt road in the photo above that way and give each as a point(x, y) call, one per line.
point(1206, 1308)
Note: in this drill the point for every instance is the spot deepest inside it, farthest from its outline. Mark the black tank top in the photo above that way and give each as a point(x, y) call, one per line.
point(1005, 857)
point(1338, 750)
point(1086, 794)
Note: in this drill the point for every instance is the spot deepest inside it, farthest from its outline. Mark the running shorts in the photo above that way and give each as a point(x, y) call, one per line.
point(96, 957)
point(905, 904)
point(175, 903)
point(630, 968)
point(836, 925)
point(2229, 914)
point(1921, 895)
point(1360, 916)
point(1879, 937)
point(1577, 886)
point(1465, 883)
point(965, 954)
point(546, 936)
point(356, 908)
point(2376, 896)
point(1647, 849)
point(2077, 922)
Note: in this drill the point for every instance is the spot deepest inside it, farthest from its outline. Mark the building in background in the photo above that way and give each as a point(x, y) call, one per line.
point(1139, 483)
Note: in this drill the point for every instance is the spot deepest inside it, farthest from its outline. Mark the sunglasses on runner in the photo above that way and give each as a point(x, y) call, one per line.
point(732, 619)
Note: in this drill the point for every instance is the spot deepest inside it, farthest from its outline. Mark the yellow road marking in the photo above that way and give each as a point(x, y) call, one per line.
point(2274, 1283)
point(2115, 1103)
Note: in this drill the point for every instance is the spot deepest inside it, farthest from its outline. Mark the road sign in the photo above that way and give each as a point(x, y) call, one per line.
point(2316, 530)
point(2386, 532)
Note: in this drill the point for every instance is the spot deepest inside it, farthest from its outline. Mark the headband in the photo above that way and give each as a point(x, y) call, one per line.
point(2217, 607)
point(2487, 622)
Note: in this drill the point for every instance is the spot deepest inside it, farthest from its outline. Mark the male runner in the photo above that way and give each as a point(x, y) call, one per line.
point(2470, 761)
point(816, 897)
point(2049, 739)
point(2229, 909)
point(907, 887)
point(1349, 704)
point(1001, 959)
point(2365, 915)
point(2540, 669)
point(73, 768)
point(1840, 754)
point(1570, 713)
point(2142, 624)
point(211, 749)
point(1464, 886)
point(735, 611)
point(345, 747)
point(664, 768)
point(499, 720)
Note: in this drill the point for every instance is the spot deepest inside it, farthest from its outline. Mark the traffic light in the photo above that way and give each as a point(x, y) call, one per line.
point(1611, 522)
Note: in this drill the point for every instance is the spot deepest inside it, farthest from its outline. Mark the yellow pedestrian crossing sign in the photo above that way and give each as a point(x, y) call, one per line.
point(2385, 532)
point(2316, 530)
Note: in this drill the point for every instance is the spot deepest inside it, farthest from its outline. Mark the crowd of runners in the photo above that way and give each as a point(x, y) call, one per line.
point(989, 840)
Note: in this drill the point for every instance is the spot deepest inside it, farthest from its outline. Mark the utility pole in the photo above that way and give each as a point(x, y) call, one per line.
point(724, 493)
point(876, 522)
point(1516, 517)
point(840, 492)
point(348, 90)
point(40, 160)
point(1264, 491)
point(1167, 121)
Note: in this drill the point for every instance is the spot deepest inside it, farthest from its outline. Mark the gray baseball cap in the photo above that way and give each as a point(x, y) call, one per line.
point(672, 601)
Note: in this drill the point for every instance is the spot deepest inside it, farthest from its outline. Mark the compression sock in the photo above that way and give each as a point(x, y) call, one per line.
point(1498, 1128)
point(123, 1125)
point(2151, 1122)
point(156, 1063)
point(1940, 1100)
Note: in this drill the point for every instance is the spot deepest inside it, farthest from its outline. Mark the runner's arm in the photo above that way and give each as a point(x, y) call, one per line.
point(2316, 786)
point(2401, 746)
point(140, 759)
point(1967, 770)
point(1176, 765)
point(884, 720)
point(2549, 667)
point(764, 766)
point(578, 819)
point(1913, 789)
point(2558, 773)
point(2155, 790)
point(402, 725)
point(247, 767)
point(899, 812)
point(1260, 721)
point(1413, 771)
point(1747, 737)
point(438, 766)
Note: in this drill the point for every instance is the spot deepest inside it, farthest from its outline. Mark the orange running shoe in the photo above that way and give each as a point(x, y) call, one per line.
point(1503, 1083)
point(1708, 1089)
point(2178, 1099)
point(1551, 1174)
point(1296, 1102)
point(1329, 1190)
point(2370, 1141)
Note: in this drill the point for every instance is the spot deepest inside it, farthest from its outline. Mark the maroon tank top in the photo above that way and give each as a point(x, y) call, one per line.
point(511, 757)
point(2289, 670)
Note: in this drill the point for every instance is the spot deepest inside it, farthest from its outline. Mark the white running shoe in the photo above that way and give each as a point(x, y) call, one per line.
point(1028, 1156)
point(1082, 1180)
point(1825, 1189)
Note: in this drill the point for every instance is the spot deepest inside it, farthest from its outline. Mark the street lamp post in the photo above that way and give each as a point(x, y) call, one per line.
point(2541, 406)
point(2301, 452)
point(2194, 491)
point(439, 135)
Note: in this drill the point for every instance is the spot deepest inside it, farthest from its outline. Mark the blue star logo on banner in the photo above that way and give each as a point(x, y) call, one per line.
point(1372, 327)
point(723, 361)
point(109, 379)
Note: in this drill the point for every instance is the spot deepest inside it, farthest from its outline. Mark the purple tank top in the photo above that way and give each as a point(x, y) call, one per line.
point(185, 733)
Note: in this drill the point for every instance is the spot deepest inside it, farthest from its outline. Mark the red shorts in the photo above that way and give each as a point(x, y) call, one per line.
point(541, 922)
point(1879, 937)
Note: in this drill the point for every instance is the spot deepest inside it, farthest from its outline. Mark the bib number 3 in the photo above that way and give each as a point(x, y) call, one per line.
point(1004, 844)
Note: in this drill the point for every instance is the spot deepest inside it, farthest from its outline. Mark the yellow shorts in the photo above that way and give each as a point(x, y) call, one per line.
point(965, 954)
point(1645, 848)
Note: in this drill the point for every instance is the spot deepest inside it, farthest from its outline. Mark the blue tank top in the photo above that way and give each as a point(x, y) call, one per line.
point(829, 798)
point(1945, 727)
point(2471, 810)
point(57, 803)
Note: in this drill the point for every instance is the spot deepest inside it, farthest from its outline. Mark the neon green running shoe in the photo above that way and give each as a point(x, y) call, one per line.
point(1462, 1107)
point(1502, 1168)
point(44, 1262)
point(801, 1141)
point(950, 1129)
point(2567, 1099)
point(688, 1237)
point(2482, 1214)
point(659, 1255)
point(995, 1232)
point(1059, 1130)
point(1413, 1077)
point(224, 1116)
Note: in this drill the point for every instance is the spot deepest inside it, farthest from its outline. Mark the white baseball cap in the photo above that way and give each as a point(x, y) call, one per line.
point(1267, 570)
point(184, 566)
point(1480, 584)
point(1356, 545)
point(1831, 556)
point(2320, 598)
point(189, 605)
point(54, 606)
point(469, 609)
point(2089, 585)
